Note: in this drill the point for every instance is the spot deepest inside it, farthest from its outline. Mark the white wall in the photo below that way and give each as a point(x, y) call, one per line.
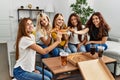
point(15, 4)
point(61, 6)
point(110, 10)
point(5, 29)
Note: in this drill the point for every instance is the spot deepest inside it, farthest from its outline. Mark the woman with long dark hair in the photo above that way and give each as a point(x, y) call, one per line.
point(97, 29)
point(76, 43)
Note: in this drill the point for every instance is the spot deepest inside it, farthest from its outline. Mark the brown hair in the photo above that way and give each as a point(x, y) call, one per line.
point(55, 19)
point(21, 32)
point(79, 25)
point(103, 25)
point(61, 27)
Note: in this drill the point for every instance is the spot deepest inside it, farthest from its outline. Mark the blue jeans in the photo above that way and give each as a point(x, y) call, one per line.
point(20, 74)
point(73, 48)
point(64, 50)
point(96, 47)
point(54, 52)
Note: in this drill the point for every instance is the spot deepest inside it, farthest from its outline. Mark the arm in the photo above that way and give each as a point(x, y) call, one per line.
point(104, 39)
point(63, 31)
point(41, 50)
point(46, 41)
point(84, 31)
point(83, 42)
point(66, 38)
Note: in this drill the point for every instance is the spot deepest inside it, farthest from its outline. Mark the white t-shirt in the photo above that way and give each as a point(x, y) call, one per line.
point(26, 55)
point(74, 38)
point(40, 35)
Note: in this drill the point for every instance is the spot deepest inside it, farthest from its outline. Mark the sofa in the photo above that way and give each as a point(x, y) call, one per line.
point(113, 51)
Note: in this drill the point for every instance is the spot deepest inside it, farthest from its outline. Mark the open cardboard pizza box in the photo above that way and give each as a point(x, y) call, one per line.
point(95, 70)
point(78, 57)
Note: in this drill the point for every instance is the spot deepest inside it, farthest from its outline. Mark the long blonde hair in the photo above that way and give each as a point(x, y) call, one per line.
point(39, 26)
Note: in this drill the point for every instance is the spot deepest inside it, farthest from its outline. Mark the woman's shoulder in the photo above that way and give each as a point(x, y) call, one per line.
point(31, 36)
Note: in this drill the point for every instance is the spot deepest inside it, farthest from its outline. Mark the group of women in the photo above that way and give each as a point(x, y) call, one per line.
point(54, 39)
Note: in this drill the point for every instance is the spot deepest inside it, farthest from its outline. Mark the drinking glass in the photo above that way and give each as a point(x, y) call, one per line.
point(92, 49)
point(100, 51)
point(63, 57)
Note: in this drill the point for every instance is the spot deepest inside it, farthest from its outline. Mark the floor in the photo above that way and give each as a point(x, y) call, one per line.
point(4, 67)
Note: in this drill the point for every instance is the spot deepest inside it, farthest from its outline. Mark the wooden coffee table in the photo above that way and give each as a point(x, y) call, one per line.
point(55, 67)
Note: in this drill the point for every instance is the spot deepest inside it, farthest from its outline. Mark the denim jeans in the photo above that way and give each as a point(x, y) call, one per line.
point(20, 74)
point(96, 47)
point(64, 50)
point(73, 48)
point(54, 52)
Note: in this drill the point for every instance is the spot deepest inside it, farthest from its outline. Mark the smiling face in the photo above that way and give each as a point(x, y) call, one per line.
point(96, 20)
point(29, 26)
point(59, 21)
point(74, 21)
point(44, 21)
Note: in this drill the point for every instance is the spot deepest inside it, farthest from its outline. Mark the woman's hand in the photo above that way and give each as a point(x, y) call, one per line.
point(54, 30)
point(66, 46)
point(49, 34)
point(72, 30)
point(78, 47)
point(36, 71)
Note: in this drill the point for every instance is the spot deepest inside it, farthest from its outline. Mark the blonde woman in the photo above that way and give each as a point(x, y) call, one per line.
point(59, 25)
point(43, 35)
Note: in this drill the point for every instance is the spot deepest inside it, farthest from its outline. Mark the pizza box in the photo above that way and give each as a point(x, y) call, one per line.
point(95, 70)
point(78, 57)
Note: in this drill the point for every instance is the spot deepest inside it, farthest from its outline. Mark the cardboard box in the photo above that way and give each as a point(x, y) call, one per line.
point(78, 57)
point(95, 70)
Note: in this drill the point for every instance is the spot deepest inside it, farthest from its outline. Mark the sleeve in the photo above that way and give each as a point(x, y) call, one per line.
point(105, 33)
point(25, 42)
point(54, 35)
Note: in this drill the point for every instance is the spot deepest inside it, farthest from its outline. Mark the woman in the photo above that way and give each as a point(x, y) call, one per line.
point(97, 29)
point(59, 25)
point(26, 48)
point(43, 35)
point(76, 43)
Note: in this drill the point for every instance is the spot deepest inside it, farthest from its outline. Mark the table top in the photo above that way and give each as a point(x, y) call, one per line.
point(54, 63)
point(78, 57)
